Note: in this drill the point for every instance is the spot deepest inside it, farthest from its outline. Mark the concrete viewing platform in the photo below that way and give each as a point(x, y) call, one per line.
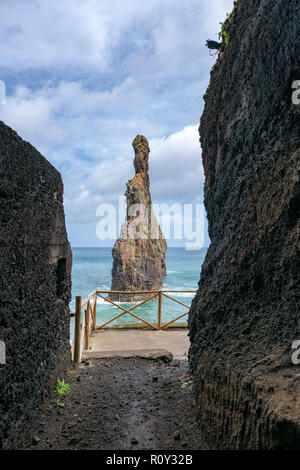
point(135, 342)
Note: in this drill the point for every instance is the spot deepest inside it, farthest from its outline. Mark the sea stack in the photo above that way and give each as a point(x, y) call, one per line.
point(139, 253)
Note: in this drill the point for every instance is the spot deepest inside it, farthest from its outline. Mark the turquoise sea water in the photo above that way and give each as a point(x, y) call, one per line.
point(92, 270)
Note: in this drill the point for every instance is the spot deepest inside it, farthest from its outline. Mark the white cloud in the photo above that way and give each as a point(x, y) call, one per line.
point(33, 115)
point(85, 33)
point(47, 33)
point(176, 167)
point(98, 73)
point(176, 175)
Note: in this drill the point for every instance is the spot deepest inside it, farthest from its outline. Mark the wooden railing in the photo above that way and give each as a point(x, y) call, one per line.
point(89, 307)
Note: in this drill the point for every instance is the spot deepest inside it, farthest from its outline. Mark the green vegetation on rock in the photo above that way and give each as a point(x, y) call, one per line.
point(140, 141)
point(229, 18)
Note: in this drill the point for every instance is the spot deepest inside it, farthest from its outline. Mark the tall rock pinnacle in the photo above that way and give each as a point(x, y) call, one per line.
point(139, 253)
point(142, 150)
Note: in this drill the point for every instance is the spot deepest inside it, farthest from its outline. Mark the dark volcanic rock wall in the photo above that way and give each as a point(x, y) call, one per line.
point(139, 253)
point(245, 315)
point(35, 282)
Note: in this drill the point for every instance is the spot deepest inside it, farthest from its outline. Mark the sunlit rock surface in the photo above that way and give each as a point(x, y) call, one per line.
point(139, 253)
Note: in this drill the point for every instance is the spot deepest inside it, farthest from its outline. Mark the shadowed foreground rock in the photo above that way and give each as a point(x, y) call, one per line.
point(139, 253)
point(245, 315)
point(35, 283)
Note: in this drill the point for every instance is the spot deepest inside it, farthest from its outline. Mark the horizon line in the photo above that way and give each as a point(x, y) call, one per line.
point(90, 246)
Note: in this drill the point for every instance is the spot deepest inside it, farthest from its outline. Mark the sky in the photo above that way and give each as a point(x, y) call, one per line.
point(84, 77)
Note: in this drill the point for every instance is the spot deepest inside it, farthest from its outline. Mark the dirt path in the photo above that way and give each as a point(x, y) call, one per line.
point(121, 404)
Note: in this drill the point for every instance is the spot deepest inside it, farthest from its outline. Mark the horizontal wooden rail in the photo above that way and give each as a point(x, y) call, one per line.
point(89, 307)
point(141, 291)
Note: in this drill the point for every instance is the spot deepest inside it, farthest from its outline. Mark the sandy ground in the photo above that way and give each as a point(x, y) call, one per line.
point(174, 340)
point(121, 404)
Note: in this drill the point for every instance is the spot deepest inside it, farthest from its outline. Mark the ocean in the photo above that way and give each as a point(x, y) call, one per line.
point(92, 270)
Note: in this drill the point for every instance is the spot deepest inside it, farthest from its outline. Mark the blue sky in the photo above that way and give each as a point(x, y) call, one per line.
point(85, 77)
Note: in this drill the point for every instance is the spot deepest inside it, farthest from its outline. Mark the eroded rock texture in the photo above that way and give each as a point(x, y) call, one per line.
point(139, 253)
point(245, 315)
point(35, 283)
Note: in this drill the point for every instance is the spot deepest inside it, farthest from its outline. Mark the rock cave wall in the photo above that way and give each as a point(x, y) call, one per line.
point(245, 315)
point(35, 283)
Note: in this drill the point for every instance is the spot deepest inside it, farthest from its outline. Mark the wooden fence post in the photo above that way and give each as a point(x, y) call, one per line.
point(87, 324)
point(77, 329)
point(95, 312)
point(159, 310)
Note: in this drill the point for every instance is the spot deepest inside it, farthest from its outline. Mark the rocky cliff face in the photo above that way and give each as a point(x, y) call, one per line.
point(35, 283)
point(245, 315)
point(139, 253)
